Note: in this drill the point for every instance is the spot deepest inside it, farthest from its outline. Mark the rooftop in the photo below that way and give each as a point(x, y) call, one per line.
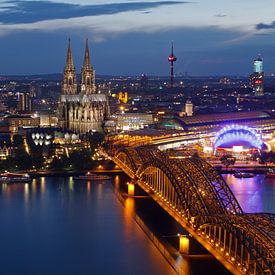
point(224, 117)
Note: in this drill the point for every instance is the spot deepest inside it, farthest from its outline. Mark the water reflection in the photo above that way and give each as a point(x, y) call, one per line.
point(71, 184)
point(33, 186)
point(79, 233)
point(255, 194)
point(117, 182)
point(78, 223)
point(88, 188)
point(129, 215)
point(43, 185)
point(26, 193)
point(183, 265)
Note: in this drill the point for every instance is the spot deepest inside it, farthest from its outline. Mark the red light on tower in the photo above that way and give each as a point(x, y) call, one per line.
point(258, 81)
point(172, 58)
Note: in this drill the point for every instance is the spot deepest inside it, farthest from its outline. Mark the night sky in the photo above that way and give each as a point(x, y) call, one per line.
point(211, 37)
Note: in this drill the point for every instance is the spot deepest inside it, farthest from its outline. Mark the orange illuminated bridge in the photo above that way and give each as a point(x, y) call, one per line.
point(197, 197)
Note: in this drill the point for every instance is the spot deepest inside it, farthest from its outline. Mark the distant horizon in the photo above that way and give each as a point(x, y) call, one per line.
point(133, 75)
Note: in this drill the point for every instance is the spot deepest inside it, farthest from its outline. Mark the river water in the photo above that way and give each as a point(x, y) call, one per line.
point(60, 226)
point(255, 194)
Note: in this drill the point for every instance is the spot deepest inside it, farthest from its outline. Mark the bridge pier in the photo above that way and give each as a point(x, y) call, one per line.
point(131, 189)
point(184, 244)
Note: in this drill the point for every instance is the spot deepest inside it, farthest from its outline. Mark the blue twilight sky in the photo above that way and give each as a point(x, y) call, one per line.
point(133, 37)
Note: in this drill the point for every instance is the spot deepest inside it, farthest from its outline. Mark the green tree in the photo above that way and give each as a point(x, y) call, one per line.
point(18, 141)
point(81, 160)
point(59, 163)
point(95, 140)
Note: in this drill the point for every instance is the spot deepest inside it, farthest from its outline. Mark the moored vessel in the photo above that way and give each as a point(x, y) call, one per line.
point(91, 176)
point(240, 174)
point(270, 174)
point(9, 177)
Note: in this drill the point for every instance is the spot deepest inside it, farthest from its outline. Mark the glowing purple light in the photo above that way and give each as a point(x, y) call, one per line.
point(235, 133)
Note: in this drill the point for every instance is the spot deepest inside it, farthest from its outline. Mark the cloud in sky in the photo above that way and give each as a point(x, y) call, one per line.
point(35, 11)
point(122, 16)
point(220, 15)
point(263, 26)
point(201, 30)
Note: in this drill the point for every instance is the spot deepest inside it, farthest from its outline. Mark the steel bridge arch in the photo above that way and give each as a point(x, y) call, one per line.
point(203, 186)
point(246, 237)
point(189, 175)
point(193, 189)
point(187, 201)
point(225, 194)
point(125, 155)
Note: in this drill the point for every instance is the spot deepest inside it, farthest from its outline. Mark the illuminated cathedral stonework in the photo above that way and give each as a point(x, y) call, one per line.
point(81, 110)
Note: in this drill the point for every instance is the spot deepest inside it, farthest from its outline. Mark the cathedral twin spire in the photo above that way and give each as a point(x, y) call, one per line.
point(87, 62)
point(87, 74)
point(69, 64)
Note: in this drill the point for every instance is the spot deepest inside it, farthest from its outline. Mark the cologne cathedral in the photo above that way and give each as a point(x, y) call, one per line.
point(81, 108)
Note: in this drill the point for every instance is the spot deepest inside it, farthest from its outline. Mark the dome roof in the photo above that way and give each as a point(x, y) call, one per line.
point(75, 137)
point(67, 136)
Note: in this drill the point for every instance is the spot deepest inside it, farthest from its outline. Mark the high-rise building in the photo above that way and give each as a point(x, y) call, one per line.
point(24, 102)
point(189, 108)
point(257, 78)
point(81, 110)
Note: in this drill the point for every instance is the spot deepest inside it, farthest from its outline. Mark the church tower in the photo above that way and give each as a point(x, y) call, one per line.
point(87, 74)
point(69, 86)
point(81, 110)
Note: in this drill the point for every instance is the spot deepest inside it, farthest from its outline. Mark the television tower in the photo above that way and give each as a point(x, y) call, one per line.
point(172, 58)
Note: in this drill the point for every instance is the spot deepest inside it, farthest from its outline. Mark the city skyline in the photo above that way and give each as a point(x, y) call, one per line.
point(209, 39)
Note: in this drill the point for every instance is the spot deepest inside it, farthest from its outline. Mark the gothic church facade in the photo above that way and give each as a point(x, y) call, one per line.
point(81, 109)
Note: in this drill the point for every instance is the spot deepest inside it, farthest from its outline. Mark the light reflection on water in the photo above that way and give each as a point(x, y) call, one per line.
point(255, 194)
point(82, 228)
point(69, 227)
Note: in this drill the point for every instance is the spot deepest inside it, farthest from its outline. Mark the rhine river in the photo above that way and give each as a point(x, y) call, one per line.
point(61, 226)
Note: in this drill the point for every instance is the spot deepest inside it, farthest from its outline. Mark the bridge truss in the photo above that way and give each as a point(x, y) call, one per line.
point(195, 195)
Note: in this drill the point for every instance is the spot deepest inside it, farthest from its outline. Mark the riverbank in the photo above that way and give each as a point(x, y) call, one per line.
point(97, 167)
point(71, 173)
point(244, 168)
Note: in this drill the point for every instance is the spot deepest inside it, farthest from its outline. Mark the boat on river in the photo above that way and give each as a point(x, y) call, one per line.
point(9, 177)
point(270, 174)
point(93, 177)
point(239, 174)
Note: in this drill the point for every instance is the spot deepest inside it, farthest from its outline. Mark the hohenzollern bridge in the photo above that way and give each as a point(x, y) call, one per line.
point(199, 199)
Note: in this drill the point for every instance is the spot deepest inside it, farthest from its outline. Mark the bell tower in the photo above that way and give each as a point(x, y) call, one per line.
point(87, 74)
point(69, 86)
